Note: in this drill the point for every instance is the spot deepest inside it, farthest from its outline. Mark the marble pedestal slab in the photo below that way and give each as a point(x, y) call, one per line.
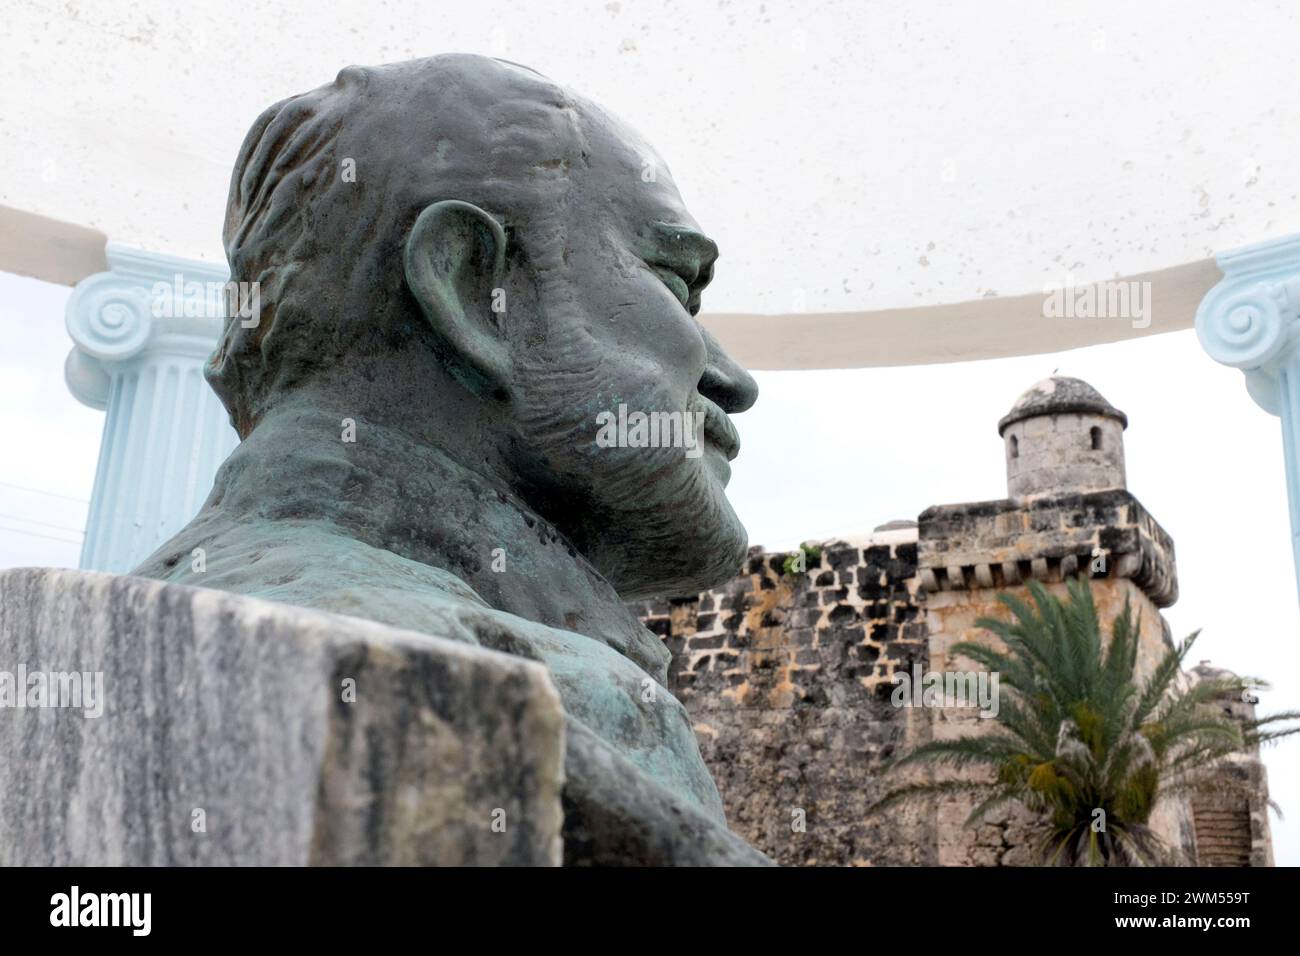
point(235, 731)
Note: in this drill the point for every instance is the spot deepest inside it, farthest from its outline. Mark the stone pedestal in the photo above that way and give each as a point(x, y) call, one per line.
point(142, 332)
point(204, 728)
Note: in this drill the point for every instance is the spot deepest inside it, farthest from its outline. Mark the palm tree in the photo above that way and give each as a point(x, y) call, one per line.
point(1080, 733)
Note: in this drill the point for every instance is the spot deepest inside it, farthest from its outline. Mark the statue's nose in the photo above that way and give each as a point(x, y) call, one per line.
point(724, 382)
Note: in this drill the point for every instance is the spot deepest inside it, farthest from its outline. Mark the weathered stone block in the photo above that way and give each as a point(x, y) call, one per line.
point(230, 734)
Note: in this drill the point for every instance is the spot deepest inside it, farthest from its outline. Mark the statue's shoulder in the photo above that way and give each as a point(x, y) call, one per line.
point(311, 566)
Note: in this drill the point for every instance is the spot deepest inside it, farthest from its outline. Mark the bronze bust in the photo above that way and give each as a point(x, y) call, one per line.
point(461, 266)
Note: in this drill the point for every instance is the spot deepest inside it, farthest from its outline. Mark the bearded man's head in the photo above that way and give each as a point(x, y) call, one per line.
point(507, 243)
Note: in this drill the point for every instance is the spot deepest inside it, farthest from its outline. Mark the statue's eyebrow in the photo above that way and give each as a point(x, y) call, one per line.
point(683, 244)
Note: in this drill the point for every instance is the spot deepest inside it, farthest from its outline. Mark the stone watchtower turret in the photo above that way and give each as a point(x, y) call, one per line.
point(1060, 436)
point(1068, 512)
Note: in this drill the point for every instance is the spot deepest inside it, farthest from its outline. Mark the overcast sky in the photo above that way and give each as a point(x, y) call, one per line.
point(837, 453)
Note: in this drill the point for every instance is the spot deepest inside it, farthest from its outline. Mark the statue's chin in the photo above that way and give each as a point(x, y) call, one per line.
point(712, 557)
point(655, 522)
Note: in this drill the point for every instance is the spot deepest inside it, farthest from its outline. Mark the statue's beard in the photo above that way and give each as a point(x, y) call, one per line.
point(652, 521)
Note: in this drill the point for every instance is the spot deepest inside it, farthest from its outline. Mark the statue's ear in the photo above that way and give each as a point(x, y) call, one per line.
point(455, 260)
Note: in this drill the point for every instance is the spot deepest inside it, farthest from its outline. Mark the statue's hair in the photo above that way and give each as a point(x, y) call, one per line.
point(327, 253)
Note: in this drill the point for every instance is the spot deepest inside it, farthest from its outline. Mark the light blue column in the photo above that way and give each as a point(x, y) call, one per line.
point(142, 332)
point(1251, 321)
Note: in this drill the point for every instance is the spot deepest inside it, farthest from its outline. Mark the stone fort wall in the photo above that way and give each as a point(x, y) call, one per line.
point(788, 678)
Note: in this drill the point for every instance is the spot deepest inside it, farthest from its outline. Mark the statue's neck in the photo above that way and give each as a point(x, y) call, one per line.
point(380, 486)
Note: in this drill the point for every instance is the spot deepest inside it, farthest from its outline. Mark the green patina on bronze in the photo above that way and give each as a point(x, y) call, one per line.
point(469, 263)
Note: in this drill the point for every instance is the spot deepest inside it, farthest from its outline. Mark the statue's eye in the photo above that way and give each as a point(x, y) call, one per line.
point(675, 283)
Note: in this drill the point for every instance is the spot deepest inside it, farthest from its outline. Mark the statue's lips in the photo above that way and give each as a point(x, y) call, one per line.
point(718, 428)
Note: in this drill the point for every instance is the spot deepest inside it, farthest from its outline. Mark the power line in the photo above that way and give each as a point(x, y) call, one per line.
point(37, 534)
point(37, 491)
point(43, 524)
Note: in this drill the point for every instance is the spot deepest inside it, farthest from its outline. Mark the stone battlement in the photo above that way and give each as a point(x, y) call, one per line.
point(997, 544)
